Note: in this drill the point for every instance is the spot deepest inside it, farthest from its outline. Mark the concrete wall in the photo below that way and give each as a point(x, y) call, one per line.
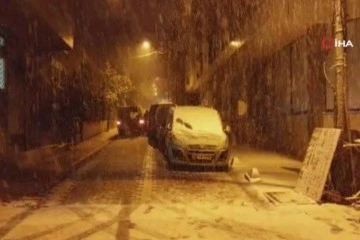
point(91, 129)
point(281, 66)
point(3, 144)
point(278, 23)
point(285, 93)
point(53, 159)
point(354, 118)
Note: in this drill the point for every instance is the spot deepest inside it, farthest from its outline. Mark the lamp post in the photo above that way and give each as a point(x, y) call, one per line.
point(146, 50)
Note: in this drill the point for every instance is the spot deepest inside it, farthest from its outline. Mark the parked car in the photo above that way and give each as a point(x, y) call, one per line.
point(130, 121)
point(161, 117)
point(196, 136)
point(151, 126)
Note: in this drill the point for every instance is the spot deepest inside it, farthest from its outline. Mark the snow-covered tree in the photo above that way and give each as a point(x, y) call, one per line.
point(116, 86)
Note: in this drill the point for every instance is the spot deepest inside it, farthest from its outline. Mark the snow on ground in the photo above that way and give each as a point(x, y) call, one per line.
point(211, 221)
point(190, 220)
point(63, 222)
point(175, 205)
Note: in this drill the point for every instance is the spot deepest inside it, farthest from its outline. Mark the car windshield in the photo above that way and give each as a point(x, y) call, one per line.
point(180, 119)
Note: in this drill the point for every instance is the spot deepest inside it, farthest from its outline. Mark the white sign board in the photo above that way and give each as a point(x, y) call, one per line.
point(319, 155)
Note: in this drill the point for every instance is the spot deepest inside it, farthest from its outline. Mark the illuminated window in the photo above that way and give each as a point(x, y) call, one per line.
point(2, 73)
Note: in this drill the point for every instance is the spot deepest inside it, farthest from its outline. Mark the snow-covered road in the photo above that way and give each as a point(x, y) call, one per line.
point(126, 192)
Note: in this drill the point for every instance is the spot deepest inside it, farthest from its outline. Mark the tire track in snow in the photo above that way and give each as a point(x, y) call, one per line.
point(226, 225)
point(59, 192)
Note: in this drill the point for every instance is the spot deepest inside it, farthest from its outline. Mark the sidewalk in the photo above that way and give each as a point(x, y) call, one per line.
point(277, 204)
point(278, 176)
point(86, 149)
point(276, 170)
point(15, 184)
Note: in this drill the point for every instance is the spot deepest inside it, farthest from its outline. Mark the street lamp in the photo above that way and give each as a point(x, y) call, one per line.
point(146, 45)
point(236, 43)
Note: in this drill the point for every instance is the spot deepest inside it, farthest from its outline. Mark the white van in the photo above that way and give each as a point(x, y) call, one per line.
point(196, 136)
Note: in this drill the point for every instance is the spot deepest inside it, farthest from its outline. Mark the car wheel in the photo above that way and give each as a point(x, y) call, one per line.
point(167, 154)
point(168, 158)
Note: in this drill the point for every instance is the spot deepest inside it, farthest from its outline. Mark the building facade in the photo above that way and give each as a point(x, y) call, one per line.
point(28, 49)
point(52, 60)
point(281, 73)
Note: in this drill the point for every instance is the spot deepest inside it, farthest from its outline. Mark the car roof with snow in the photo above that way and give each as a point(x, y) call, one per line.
point(195, 109)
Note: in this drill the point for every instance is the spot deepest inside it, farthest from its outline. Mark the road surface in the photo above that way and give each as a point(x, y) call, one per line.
point(126, 192)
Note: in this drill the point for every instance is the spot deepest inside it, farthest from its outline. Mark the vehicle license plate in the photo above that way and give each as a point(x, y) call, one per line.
point(202, 156)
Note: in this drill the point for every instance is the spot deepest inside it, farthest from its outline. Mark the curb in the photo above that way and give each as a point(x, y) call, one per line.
point(87, 158)
point(59, 178)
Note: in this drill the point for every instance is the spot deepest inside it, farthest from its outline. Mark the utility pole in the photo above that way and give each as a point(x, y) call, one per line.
point(341, 117)
point(340, 86)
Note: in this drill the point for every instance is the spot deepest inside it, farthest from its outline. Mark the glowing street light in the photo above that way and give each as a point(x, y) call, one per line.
point(236, 43)
point(146, 45)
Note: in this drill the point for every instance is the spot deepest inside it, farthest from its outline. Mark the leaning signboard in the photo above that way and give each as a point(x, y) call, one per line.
point(318, 158)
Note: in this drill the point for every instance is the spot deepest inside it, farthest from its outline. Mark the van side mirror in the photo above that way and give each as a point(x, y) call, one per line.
point(227, 129)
